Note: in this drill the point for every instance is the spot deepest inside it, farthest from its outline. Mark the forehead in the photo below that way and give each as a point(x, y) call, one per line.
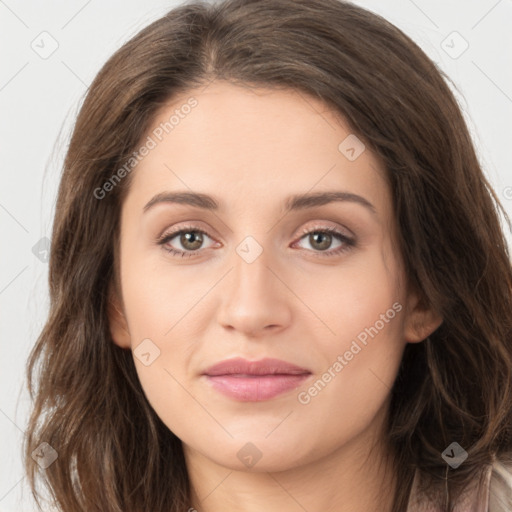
point(255, 144)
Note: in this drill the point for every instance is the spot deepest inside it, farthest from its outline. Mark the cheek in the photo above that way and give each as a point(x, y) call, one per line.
point(351, 394)
point(352, 297)
point(162, 305)
point(160, 296)
point(362, 348)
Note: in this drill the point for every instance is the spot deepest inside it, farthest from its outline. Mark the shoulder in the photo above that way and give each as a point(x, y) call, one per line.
point(500, 487)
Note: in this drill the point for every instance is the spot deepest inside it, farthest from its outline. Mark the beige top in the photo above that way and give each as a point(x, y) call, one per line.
point(494, 495)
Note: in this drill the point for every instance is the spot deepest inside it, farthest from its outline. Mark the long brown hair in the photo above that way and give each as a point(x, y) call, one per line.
point(114, 453)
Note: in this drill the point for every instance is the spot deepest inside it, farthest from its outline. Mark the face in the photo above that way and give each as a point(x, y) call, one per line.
point(314, 283)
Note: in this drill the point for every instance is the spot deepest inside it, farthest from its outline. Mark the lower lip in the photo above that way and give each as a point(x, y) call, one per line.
point(257, 388)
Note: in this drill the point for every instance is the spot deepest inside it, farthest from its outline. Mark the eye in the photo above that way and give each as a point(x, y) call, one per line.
point(190, 239)
point(321, 238)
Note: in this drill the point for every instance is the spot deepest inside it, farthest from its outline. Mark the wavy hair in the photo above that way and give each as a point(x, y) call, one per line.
point(114, 453)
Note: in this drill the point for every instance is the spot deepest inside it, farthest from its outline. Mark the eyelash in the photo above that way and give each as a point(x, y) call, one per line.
point(348, 242)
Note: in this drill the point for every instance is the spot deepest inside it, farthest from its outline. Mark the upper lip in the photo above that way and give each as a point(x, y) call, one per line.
point(267, 366)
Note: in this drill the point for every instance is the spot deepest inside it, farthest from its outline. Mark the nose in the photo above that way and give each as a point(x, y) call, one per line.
point(255, 297)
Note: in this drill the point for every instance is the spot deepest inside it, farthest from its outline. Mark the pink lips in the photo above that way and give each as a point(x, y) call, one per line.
point(254, 381)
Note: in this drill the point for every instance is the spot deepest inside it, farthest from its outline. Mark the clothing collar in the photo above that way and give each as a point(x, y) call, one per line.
point(474, 498)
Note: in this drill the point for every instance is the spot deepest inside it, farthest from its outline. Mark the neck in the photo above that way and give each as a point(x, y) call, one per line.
point(356, 477)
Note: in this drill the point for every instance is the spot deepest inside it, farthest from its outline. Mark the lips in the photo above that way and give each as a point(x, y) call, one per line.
point(240, 366)
point(255, 381)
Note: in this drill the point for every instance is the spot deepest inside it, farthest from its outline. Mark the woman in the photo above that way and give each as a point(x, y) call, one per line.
point(202, 351)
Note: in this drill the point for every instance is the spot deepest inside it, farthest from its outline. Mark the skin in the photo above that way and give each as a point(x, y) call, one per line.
point(251, 149)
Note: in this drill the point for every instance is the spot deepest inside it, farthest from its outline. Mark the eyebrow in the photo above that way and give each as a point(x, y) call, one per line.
point(294, 203)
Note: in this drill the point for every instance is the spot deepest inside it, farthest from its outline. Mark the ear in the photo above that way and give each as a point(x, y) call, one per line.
point(421, 320)
point(117, 320)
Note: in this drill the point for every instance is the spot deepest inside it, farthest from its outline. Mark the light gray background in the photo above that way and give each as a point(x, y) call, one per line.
point(39, 99)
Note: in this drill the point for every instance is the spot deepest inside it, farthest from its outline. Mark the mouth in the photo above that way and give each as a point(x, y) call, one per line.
point(255, 381)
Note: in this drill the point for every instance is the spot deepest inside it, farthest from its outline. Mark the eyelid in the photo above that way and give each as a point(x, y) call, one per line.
point(323, 226)
point(317, 225)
